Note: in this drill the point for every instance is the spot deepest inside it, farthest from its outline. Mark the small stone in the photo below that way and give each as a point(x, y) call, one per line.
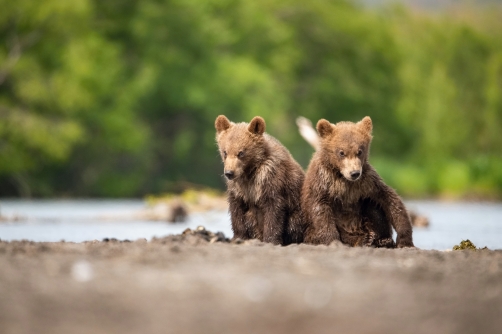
point(200, 228)
point(194, 240)
point(43, 248)
point(254, 242)
point(237, 241)
point(336, 244)
point(221, 236)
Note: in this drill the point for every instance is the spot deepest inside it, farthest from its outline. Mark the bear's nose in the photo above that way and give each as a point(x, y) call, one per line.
point(355, 174)
point(229, 174)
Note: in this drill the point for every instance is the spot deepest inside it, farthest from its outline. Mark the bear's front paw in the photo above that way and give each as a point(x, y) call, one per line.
point(404, 243)
point(385, 243)
point(369, 239)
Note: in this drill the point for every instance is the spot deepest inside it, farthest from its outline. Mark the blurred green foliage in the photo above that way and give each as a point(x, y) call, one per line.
point(118, 98)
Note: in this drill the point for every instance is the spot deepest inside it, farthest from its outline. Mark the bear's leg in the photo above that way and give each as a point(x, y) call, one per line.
point(274, 218)
point(378, 228)
point(395, 211)
point(254, 222)
point(238, 209)
point(293, 233)
point(322, 229)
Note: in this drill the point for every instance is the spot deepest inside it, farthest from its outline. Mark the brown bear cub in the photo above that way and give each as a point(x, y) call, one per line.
point(343, 197)
point(263, 183)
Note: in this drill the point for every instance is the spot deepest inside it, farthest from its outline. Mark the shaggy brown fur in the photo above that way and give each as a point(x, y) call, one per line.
point(343, 197)
point(263, 181)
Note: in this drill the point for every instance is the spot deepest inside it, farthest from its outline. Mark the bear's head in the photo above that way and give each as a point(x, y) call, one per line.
point(345, 145)
point(242, 145)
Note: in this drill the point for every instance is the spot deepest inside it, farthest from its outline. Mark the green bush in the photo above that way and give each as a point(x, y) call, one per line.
point(114, 98)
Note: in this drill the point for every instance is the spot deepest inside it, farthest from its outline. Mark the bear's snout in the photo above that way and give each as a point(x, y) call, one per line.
point(354, 175)
point(229, 174)
point(351, 168)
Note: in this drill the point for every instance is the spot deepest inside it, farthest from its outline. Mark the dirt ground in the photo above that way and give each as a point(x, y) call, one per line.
point(196, 283)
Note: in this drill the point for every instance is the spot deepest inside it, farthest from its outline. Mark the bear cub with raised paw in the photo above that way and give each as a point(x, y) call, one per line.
point(343, 197)
point(263, 183)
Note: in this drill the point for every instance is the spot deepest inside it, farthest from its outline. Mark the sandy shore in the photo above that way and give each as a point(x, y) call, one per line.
point(201, 284)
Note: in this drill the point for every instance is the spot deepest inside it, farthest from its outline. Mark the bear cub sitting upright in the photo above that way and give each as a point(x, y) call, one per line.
point(263, 183)
point(343, 197)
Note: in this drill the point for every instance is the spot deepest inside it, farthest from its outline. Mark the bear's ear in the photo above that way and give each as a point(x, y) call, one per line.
point(257, 126)
point(221, 124)
point(366, 124)
point(324, 128)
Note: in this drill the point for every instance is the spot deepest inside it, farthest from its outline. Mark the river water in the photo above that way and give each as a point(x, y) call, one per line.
point(82, 220)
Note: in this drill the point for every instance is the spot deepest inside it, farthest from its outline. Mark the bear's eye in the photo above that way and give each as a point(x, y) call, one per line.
point(240, 155)
point(359, 153)
point(224, 154)
point(342, 153)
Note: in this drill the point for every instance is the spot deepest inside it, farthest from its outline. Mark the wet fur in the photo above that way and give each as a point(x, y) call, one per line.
point(265, 194)
point(357, 213)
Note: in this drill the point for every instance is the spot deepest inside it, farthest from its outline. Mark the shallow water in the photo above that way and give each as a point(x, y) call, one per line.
point(81, 220)
point(451, 222)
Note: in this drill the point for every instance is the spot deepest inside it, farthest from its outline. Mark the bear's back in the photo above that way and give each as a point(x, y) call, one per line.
point(278, 175)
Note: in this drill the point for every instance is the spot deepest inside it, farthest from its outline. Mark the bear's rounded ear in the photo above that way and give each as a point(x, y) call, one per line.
point(366, 124)
point(324, 128)
point(257, 126)
point(221, 124)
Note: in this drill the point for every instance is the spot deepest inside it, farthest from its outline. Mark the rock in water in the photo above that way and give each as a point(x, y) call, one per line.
point(418, 220)
point(177, 212)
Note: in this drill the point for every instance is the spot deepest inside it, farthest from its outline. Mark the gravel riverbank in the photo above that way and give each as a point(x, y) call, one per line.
point(198, 283)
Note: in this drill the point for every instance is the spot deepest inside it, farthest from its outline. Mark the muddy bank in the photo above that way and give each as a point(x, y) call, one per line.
point(204, 284)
